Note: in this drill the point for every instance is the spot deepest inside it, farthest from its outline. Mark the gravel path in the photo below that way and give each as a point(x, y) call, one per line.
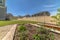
point(4, 30)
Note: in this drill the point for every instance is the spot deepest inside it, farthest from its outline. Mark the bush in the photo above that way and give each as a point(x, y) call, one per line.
point(22, 28)
point(23, 36)
point(42, 30)
point(36, 37)
point(57, 18)
point(7, 19)
point(51, 37)
point(43, 34)
point(43, 37)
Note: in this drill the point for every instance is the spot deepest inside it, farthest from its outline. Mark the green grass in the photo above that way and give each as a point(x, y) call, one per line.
point(3, 23)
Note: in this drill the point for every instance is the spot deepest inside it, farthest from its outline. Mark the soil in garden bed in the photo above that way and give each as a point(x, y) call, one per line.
point(31, 30)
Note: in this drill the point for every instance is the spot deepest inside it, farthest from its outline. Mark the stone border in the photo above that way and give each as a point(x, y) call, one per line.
point(10, 34)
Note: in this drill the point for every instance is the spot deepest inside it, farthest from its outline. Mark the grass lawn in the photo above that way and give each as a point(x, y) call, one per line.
point(3, 23)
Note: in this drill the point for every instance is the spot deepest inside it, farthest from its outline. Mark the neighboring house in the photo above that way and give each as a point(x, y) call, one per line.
point(3, 10)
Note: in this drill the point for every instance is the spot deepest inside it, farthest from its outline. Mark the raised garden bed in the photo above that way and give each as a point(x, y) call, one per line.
point(30, 32)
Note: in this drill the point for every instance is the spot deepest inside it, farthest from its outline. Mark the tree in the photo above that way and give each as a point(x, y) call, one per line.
point(57, 17)
point(20, 16)
point(44, 13)
point(47, 13)
point(27, 15)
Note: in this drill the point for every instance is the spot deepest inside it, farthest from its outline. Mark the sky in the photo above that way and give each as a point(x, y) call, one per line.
point(23, 7)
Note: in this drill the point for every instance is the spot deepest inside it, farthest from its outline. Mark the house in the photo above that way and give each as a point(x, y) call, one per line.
point(3, 10)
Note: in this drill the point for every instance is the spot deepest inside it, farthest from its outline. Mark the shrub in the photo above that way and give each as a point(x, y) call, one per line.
point(51, 37)
point(39, 37)
point(43, 30)
point(22, 28)
point(43, 34)
point(36, 37)
point(23, 36)
point(7, 19)
point(57, 18)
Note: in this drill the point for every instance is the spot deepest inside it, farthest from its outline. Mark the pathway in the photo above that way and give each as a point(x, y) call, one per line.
point(4, 30)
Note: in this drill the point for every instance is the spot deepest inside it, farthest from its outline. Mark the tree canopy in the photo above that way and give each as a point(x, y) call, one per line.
point(57, 17)
point(44, 13)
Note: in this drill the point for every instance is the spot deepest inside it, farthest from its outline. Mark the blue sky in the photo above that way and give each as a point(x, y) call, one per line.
point(23, 7)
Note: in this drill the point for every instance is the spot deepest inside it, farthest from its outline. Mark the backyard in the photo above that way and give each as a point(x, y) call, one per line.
point(29, 20)
point(26, 31)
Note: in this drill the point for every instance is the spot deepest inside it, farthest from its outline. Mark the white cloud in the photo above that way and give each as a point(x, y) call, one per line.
point(50, 5)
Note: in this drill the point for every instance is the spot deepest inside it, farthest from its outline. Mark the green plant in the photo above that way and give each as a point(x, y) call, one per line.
point(36, 37)
point(50, 37)
point(57, 18)
point(43, 30)
point(43, 34)
point(39, 37)
point(23, 36)
point(22, 28)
